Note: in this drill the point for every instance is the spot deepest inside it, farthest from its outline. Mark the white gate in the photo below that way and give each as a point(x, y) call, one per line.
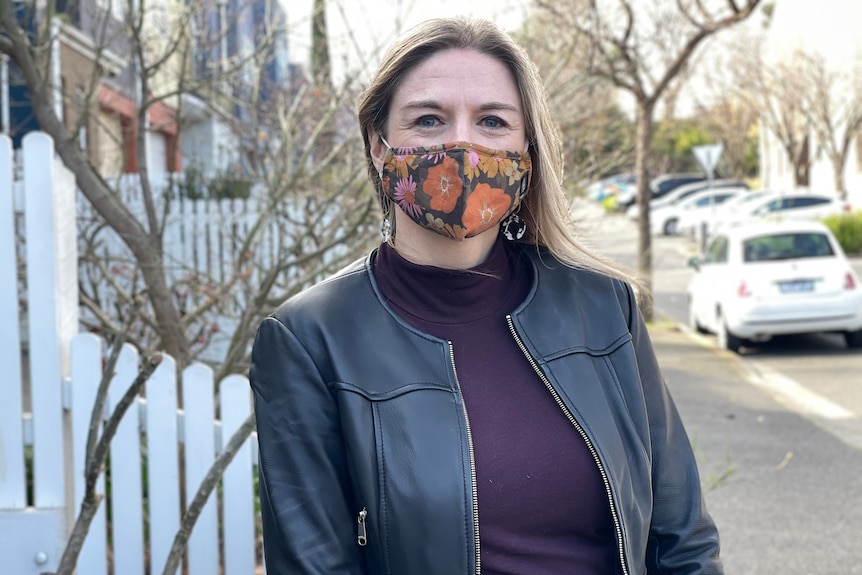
point(47, 400)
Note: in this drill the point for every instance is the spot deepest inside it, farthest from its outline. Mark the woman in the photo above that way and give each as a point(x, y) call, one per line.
point(479, 394)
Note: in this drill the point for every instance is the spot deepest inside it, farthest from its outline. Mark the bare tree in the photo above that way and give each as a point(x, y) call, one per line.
point(314, 203)
point(596, 133)
point(642, 49)
point(27, 52)
point(729, 119)
point(315, 195)
point(777, 91)
point(733, 123)
point(797, 95)
point(833, 108)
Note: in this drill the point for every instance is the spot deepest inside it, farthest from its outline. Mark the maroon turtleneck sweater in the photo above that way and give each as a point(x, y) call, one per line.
point(543, 508)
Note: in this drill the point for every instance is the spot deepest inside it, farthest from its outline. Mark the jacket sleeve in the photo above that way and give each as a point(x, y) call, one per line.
point(683, 538)
point(309, 523)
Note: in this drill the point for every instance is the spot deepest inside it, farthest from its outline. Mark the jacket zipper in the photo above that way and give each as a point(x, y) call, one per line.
point(472, 464)
point(362, 533)
point(583, 435)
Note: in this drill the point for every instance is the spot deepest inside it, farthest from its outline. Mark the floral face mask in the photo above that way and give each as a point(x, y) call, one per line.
point(458, 190)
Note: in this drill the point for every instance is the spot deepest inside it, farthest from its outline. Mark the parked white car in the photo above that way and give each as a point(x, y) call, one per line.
point(763, 279)
point(787, 206)
point(681, 192)
point(665, 220)
point(692, 223)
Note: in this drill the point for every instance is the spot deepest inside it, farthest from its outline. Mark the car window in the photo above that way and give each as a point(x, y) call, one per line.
point(807, 202)
point(786, 246)
point(717, 252)
point(684, 195)
point(770, 206)
point(669, 184)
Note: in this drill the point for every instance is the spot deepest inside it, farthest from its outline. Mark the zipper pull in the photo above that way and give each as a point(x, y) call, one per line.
point(362, 537)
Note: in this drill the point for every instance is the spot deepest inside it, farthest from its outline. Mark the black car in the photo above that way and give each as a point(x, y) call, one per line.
point(668, 182)
point(661, 185)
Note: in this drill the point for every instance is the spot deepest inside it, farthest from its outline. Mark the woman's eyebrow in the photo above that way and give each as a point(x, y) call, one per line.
point(423, 104)
point(500, 106)
point(435, 105)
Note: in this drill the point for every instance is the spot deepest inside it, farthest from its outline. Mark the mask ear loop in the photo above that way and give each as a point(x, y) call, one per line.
point(387, 225)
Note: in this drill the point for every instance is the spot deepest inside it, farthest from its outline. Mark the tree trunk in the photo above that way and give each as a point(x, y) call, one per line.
point(147, 253)
point(142, 245)
point(838, 161)
point(320, 64)
point(644, 136)
point(801, 164)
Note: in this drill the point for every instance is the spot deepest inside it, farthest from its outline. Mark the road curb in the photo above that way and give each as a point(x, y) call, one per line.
point(833, 418)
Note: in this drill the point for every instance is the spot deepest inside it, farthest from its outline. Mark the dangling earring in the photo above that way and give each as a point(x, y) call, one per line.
point(513, 228)
point(386, 229)
point(386, 207)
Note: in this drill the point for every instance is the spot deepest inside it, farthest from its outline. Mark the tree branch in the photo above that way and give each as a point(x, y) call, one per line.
point(6, 46)
point(205, 489)
point(95, 462)
point(97, 414)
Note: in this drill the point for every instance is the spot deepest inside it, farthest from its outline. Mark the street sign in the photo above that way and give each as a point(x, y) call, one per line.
point(707, 157)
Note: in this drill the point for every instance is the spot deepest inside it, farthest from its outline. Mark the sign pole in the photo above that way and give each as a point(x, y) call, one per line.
point(707, 158)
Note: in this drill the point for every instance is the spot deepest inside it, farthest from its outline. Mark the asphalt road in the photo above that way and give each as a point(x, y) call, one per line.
point(777, 430)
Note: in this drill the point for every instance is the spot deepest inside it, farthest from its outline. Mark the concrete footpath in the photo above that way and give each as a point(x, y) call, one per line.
point(784, 491)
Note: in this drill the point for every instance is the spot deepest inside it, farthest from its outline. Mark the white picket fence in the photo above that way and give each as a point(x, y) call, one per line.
point(41, 449)
point(203, 245)
point(202, 240)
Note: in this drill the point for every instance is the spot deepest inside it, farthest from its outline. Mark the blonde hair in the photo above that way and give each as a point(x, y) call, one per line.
point(545, 207)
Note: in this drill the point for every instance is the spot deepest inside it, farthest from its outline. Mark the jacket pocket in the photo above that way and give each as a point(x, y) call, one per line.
point(410, 469)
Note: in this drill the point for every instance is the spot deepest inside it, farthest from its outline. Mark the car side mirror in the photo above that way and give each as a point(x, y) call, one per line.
point(694, 262)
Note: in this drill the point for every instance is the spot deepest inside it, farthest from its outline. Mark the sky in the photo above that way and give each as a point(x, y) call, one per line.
point(359, 30)
point(834, 32)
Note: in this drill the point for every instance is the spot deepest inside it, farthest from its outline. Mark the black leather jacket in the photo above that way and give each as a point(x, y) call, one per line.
point(365, 448)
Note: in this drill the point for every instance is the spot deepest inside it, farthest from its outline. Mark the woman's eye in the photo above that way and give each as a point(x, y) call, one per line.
point(427, 121)
point(492, 122)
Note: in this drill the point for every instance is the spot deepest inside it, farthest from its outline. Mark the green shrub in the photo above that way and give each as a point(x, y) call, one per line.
point(848, 230)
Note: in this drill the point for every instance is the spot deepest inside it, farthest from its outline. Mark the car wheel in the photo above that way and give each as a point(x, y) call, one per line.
point(692, 319)
point(670, 227)
point(853, 338)
point(727, 340)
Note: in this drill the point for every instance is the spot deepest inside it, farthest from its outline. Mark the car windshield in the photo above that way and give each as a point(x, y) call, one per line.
point(786, 246)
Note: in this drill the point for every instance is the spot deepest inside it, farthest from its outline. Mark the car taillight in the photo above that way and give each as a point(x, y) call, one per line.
point(742, 290)
point(849, 282)
point(846, 208)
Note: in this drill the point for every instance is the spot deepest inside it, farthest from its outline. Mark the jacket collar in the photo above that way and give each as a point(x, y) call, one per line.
point(567, 310)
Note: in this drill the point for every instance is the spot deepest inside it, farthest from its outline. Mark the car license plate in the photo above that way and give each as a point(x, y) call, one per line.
point(796, 286)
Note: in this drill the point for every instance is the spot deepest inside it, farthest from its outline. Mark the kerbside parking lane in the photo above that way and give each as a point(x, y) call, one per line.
point(776, 430)
point(814, 375)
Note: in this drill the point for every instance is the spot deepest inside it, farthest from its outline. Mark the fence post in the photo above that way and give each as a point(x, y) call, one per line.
point(235, 397)
point(87, 375)
point(200, 451)
point(126, 483)
point(52, 282)
point(163, 474)
point(13, 493)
